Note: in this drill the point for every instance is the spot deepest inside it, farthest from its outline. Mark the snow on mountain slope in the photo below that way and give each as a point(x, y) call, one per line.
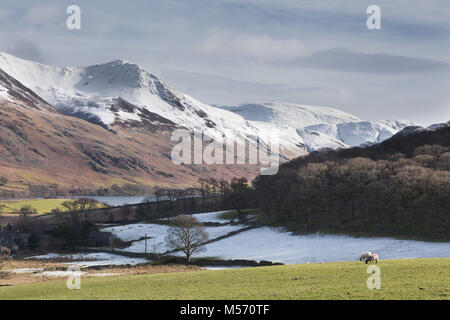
point(316, 140)
point(318, 127)
point(361, 132)
point(13, 91)
point(291, 114)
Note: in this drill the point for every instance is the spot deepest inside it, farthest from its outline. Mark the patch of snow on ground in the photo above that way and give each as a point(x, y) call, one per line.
point(45, 256)
point(136, 231)
point(93, 259)
point(65, 273)
point(210, 217)
point(25, 270)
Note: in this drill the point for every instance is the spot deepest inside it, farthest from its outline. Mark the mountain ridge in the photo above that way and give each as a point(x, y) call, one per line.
point(320, 127)
point(89, 92)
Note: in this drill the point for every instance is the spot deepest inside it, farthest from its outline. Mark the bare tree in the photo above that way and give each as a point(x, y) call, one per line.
point(188, 235)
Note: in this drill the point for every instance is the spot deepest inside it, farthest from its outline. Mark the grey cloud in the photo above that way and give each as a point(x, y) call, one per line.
point(400, 19)
point(219, 88)
point(349, 61)
point(263, 48)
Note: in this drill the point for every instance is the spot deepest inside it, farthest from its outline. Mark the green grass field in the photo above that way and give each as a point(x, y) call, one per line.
point(41, 205)
point(400, 279)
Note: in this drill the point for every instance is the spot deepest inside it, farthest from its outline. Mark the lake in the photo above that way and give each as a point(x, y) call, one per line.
point(115, 201)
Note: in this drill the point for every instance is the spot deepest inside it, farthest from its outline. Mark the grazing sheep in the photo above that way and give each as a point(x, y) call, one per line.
point(364, 256)
point(372, 258)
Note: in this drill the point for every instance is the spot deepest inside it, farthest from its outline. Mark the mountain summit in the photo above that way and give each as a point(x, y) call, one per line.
point(90, 92)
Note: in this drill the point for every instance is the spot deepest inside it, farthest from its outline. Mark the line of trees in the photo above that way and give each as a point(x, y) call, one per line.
point(212, 195)
point(374, 189)
point(235, 194)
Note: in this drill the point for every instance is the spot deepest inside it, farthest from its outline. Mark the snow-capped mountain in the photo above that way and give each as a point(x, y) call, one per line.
point(121, 92)
point(93, 92)
point(318, 127)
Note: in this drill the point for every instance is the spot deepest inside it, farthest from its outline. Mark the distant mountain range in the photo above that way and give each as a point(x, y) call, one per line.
point(125, 118)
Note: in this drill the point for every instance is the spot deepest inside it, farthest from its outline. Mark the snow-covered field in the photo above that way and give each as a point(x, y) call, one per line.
point(156, 244)
point(278, 246)
point(274, 244)
point(158, 232)
point(131, 232)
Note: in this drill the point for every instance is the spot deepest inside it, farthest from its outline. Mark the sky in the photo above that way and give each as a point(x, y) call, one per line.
point(225, 52)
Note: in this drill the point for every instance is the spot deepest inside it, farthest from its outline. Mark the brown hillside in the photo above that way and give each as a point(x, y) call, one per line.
point(43, 147)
